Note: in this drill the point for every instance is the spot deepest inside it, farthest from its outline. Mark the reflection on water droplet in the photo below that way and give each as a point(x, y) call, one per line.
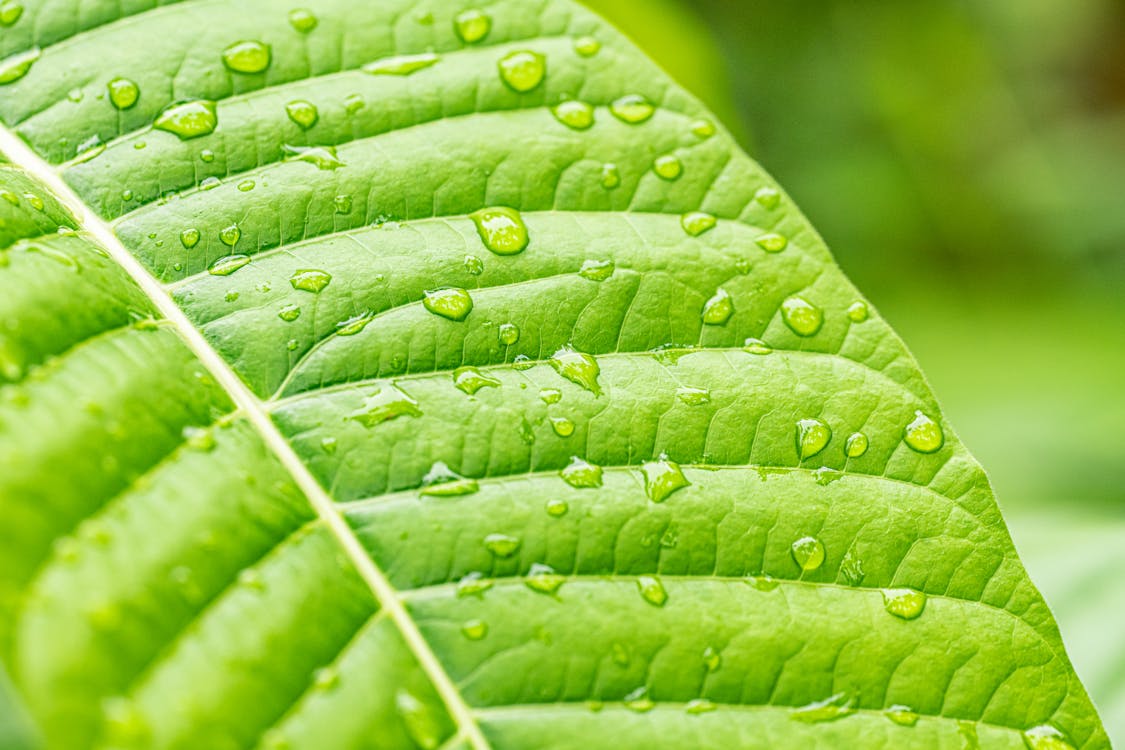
point(856, 445)
point(303, 113)
point(632, 108)
point(668, 167)
point(450, 302)
point(596, 270)
point(473, 584)
point(718, 309)
point(123, 93)
point(550, 395)
point(189, 238)
point(574, 114)
point(188, 119)
point(501, 229)
point(402, 65)
point(697, 222)
point(502, 545)
point(851, 567)
point(652, 590)
point(582, 474)
point(904, 716)
point(474, 630)
point(808, 551)
point(803, 317)
point(522, 71)
point(472, 25)
point(578, 367)
point(703, 128)
point(247, 57)
point(227, 265)
point(772, 242)
point(310, 280)
point(388, 403)
point(924, 434)
point(836, 707)
point(813, 436)
point(904, 603)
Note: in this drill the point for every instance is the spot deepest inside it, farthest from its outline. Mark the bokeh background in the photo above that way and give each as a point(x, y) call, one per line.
point(966, 163)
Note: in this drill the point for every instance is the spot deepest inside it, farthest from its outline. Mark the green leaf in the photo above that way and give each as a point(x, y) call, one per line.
point(350, 401)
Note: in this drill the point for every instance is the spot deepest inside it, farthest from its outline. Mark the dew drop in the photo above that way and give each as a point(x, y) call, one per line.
point(803, 317)
point(187, 120)
point(402, 65)
point(652, 590)
point(1046, 737)
point(302, 20)
point(924, 434)
point(808, 551)
point(772, 242)
point(35, 201)
point(768, 197)
point(310, 280)
point(611, 176)
point(904, 603)
point(712, 659)
point(501, 229)
point(904, 716)
point(442, 481)
point(522, 71)
point(697, 222)
point(582, 474)
point(698, 706)
point(473, 584)
point(668, 167)
point(557, 508)
point(472, 25)
point(230, 235)
point(16, 66)
point(329, 445)
point(550, 395)
point(502, 545)
point(452, 303)
point(424, 725)
point(388, 403)
point(632, 109)
point(207, 155)
point(354, 103)
point(718, 309)
point(123, 93)
point(342, 204)
point(857, 312)
point(475, 630)
point(198, 439)
point(830, 709)
point(246, 186)
point(575, 115)
point(703, 128)
point(321, 157)
point(756, 346)
point(508, 333)
point(10, 12)
point(562, 426)
point(587, 46)
point(470, 380)
point(354, 324)
point(303, 113)
point(543, 579)
point(577, 367)
point(662, 478)
point(693, 396)
point(189, 238)
point(597, 270)
point(227, 265)
point(851, 567)
point(289, 313)
point(813, 436)
point(247, 57)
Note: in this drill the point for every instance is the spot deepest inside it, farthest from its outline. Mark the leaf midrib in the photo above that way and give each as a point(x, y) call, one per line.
point(21, 155)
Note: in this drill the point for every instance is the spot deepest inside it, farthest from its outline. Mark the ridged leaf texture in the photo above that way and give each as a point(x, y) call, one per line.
point(690, 491)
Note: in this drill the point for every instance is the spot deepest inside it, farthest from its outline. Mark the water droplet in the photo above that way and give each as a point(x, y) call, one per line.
point(632, 109)
point(388, 403)
point(310, 280)
point(470, 380)
point(587, 46)
point(227, 265)
point(475, 630)
point(968, 732)
point(803, 317)
point(813, 436)
point(904, 716)
point(543, 579)
point(441, 481)
point(207, 155)
point(857, 312)
point(289, 313)
point(768, 197)
point(756, 346)
point(652, 590)
point(703, 128)
point(449, 302)
point(836, 707)
point(597, 270)
point(199, 439)
point(856, 445)
point(472, 25)
point(247, 57)
point(302, 20)
point(123, 93)
point(693, 396)
point(712, 659)
point(508, 333)
point(188, 119)
point(522, 362)
point(329, 445)
point(582, 474)
point(808, 551)
point(772, 242)
point(474, 265)
point(473, 584)
point(718, 309)
point(574, 114)
point(303, 113)
point(662, 478)
point(403, 65)
point(501, 229)
point(1046, 737)
point(245, 186)
point(698, 706)
point(9, 196)
point(851, 567)
point(924, 434)
point(550, 395)
point(697, 222)
point(668, 167)
point(126, 195)
point(354, 103)
point(10, 12)
point(354, 324)
point(230, 235)
point(321, 157)
point(562, 426)
point(611, 176)
point(577, 367)
point(905, 603)
point(422, 722)
point(523, 71)
point(502, 545)
point(35, 201)
point(16, 66)
point(557, 508)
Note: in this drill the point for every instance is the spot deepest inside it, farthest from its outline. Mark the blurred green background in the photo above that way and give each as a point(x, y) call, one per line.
point(966, 163)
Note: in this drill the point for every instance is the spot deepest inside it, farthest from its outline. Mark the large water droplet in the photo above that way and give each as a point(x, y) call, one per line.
point(470, 380)
point(303, 113)
point(522, 71)
point(803, 317)
point(904, 716)
point(836, 707)
point(501, 229)
point(230, 235)
point(1046, 737)
point(697, 222)
point(856, 445)
point(189, 238)
point(718, 309)
point(123, 93)
point(472, 25)
point(302, 20)
point(442, 481)
point(310, 280)
point(924, 434)
point(813, 436)
point(502, 545)
point(652, 590)
point(632, 108)
point(16, 66)
point(449, 302)
point(582, 474)
point(905, 603)
point(508, 333)
point(227, 265)
point(388, 403)
point(662, 478)
point(188, 119)
point(577, 367)
point(574, 114)
point(403, 65)
point(668, 167)
point(543, 579)
point(808, 551)
point(321, 157)
point(247, 57)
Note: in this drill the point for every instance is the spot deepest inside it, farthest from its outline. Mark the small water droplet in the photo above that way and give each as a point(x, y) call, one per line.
point(813, 436)
point(830, 709)
point(1046, 737)
point(597, 270)
point(904, 603)
point(321, 157)
point(15, 67)
point(207, 155)
point(126, 195)
point(508, 333)
point(35, 202)
point(473, 584)
point(611, 176)
point(198, 439)
point(422, 722)
point(402, 65)
point(247, 57)
point(543, 579)
point(227, 265)
point(857, 312)
point(856, 445)
point(470, 380)
point(808, 551)
point(245, 186)
point(904, 716)
point(693, 396)
point(718, 309)
point(10, 12)
point(772, 242)
point(302, 20)
point(303, 113)
point(768, 197)
point(289, 313)
point(557, 508)
point(698, 706)
point(712, 659)
point(502, 545)
point(668, 167)
point(632, 109)
point(472, 25)
point(652, 590)
point(474, 265)
point(924, 434)
point(803, 317)
point(703, 128)
point(329, 445)
point(587, 46)
point(474, 630)
point(577, 367)
point(756, 346)
point(354, 103)
point(550, 395)
point(582, 474)
point(851, 567)
point(448, 302)
point(186, 120)
point(442, 481)
point(501, 229)
point(562, 426)
point(574, 114)
point(697, 222)
point(522, 71)
point(388, 403)
point(123, 93)
point(310, 280)
point(230, 235)
point(342, 204)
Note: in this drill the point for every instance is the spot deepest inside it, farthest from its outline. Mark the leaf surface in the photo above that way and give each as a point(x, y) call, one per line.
point(391, 375)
